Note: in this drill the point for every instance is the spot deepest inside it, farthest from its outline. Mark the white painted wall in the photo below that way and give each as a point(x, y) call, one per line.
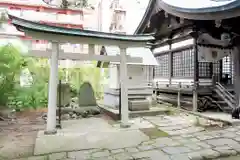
point(113, 77)
point(137, 76)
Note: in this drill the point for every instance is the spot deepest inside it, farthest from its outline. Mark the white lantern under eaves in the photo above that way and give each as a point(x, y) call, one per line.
point(3, 17)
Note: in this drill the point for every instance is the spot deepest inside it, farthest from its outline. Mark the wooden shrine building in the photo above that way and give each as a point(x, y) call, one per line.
point(197, 46)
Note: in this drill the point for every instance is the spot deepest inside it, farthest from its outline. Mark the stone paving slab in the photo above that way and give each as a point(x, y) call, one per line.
point(82, 126)
point(230, 158)
point(175, 125)
point(112, 143)
point(168, 148)
point(136, 123)
point(153, 155)
point(218, 116)
point(94, 139)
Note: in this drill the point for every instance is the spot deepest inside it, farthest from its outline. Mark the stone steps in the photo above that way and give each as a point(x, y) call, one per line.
point(138, 105)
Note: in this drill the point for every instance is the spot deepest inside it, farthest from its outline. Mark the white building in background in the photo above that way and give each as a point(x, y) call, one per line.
point(134, 11)
point(37, 10)
point(118, 17)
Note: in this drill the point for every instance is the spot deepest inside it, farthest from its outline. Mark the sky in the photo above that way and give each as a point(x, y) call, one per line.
point(197, 3)
point(135, 11)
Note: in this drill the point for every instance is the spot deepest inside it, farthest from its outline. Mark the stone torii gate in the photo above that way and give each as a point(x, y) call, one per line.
point(57, 35)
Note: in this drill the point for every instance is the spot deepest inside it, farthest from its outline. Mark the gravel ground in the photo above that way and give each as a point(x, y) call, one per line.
point(17, 137)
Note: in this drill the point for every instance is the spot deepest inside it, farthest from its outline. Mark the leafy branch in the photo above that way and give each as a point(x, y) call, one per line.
point(65, 4)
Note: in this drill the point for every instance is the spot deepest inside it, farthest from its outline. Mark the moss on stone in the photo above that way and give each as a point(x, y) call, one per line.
point(153, 133)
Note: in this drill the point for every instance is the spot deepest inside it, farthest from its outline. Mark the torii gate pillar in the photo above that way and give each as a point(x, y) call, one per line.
point(52, 93)
point(124, 88)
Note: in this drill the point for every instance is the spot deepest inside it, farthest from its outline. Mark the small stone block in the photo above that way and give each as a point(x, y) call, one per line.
point(153, 154)
point(57, 156)
point(122, 156)
point(115, 151)
point(230, 135)
point(193, 146)
point(203, 145)
point(176, 150)
point(184, 141)
point(221, 142)
point(132, 150)
point(100, 154)
point(125, 125)
point(194, 140)
point(79, 154)
point(52, 132)
point(210, 154)
point(37, 158)
point(231, 129)
point(237, 139)
point(225, 151)
point(195, 156)
point(105, 158)
point(180, 157)
point(204, 137)
point(145, 147)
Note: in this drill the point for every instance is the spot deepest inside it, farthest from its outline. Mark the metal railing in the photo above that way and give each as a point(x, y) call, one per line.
point(225, 95)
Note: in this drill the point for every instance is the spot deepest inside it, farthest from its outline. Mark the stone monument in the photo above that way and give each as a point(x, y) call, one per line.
point(87, 100)
point(65, 94)
point(86, 97)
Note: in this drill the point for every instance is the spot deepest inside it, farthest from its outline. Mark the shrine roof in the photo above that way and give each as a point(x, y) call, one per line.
point(145, 53)
point(150, 10)
point(202, 6)
point(26, 25)
point(189, 9)
point(202, 9)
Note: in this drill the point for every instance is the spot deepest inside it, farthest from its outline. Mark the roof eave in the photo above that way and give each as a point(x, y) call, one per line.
point(223, 12)
point(147, 15)
point(26, 25)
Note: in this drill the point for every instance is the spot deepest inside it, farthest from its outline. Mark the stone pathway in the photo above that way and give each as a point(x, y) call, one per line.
point(230, 158)
point(185, 143)
point(175, 125)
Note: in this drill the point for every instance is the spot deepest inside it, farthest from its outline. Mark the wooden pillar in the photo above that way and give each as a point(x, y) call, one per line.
point(153, 70)
point(196, 72)
point(211, 72)
point(170, 64)
point(220, 70)
point(236, 62)
point(231, 67)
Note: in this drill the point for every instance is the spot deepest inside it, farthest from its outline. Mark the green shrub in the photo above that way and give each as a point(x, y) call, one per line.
point(18, 97)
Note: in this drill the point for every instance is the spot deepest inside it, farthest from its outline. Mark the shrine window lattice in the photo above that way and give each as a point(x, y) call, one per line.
point(183, 63)
point(162, 70)
point(205, 69)
point(227, 66)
